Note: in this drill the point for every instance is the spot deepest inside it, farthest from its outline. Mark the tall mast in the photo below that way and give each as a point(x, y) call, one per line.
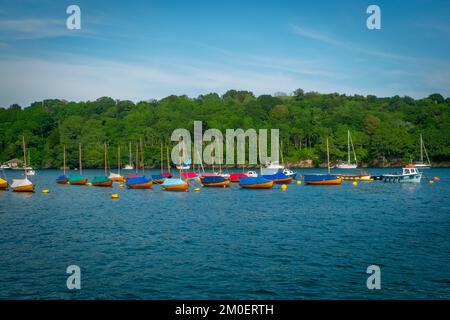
point(24, 156)
point(162, 158)
point(64, 160)
point(137, 159)
point(168, 158)
point(328, 156)
point(421, 149)
point(282, 160)
point(79, 158)
point(104, 148)
point(348, 146)
point(130, 162)
point(142, 155)
point(220, 162)
point(118, 159)
point(258, 146)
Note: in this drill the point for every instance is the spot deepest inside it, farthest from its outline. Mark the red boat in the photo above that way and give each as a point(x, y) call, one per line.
point(236, 177)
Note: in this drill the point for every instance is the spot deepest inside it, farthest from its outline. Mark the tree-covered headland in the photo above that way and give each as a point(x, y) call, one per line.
point(384, 130)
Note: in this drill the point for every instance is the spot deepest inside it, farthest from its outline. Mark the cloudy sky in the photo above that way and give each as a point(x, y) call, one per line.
point(140, 50)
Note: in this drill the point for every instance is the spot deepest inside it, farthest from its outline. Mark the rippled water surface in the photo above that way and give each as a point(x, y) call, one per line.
point(307, 242)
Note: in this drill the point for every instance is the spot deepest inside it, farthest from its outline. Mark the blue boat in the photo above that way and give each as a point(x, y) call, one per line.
point(215, 181)
point(279, 177)
point(158, 178)
point(322, 179)
point(139, 183)
point(255, 183)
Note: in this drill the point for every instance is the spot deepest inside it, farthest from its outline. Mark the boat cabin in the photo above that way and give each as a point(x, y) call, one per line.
point(410, 169)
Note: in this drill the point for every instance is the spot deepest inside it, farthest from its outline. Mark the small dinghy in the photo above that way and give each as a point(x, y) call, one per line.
point(22, 185)
point(3, 184)
point(215, 181)
point(77, 180)
point(279, 177)
point(139, 183)
point(322, 179)
point(174, 184)
point(255, 183)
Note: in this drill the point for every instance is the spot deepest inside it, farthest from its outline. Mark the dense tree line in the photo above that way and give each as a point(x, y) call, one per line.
point(382, 128)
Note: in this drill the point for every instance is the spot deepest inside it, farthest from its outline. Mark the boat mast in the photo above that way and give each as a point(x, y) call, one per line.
point(142, 156)
point(421, 149)
point(258, 146)
point(64, 160)
point(168, 159)
point(118, 159)
point(24, 156)
point(282, 160)
point(137, 159)
point(328, 157)
point(348, 146)
point(220, 162)
point(162, 158)
point(130, 161)
point(79, 158)
point(104, 148)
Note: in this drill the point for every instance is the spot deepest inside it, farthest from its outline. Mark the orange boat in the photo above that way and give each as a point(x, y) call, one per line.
point(215, 181)
point(255, 183)
point(322, 179)
point(139, 183)
point(106, 183)
point(77, 180)
point(25, 188)
point(3, 184)
point(174, 184)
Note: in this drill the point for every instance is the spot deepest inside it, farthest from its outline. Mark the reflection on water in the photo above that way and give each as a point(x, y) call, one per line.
point(305, 242)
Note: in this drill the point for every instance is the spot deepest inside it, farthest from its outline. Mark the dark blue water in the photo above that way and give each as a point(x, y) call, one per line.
point(306, 242)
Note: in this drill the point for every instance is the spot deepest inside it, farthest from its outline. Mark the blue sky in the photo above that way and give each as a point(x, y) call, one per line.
point(141, 50)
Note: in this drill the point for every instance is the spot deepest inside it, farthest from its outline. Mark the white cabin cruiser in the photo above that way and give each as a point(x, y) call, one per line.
point(409, 174)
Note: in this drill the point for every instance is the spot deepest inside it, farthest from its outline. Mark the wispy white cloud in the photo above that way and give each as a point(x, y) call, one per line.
point(334, 41)
point(33, 28)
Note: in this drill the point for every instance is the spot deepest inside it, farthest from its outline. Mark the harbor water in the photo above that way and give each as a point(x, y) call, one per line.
point(307, 242)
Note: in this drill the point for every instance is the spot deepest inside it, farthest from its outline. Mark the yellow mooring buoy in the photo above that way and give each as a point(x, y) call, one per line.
point(45, 191)
point(89, 184)
point(115, 196)
point(431, 181)
point(197, 189)
point(299, 181)
point(355, 183)
point(283, 187)
point(121, 185)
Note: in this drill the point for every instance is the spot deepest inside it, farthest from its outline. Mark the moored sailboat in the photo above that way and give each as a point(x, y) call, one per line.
point(420, 164)
point(23, 185)
point(176, 184)
point(348, 164)
point(159, 178)
point(63, 179)
point(103, 181)
point(140, 182)
point(252, 182)
point(215, 181)
point(323, 179)
point(78, 179)
point(117, 177)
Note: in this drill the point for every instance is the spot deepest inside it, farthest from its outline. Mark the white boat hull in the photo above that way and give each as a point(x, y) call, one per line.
point(401, 178)
point(346, 166)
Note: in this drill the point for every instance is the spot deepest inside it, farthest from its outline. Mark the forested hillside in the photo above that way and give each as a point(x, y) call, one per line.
point(380, 127)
